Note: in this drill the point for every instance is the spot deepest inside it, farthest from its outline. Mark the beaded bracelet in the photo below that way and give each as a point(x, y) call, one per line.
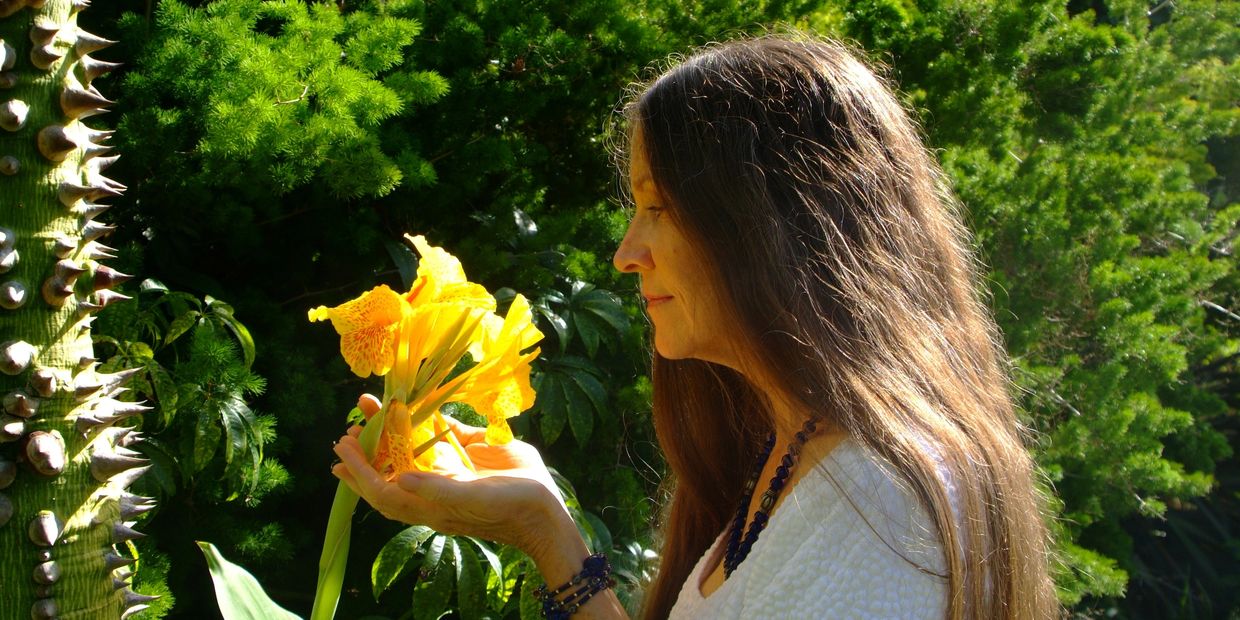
point(596, 576)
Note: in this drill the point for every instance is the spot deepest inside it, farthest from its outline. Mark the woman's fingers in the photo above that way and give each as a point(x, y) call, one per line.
point(354, 430)
point(369, 405)
point(340, 471)
point(366, 480)
point(465, 433)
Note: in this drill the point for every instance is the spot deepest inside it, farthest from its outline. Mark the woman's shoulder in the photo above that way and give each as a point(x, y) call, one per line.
point(857, 497)
point(849, 541)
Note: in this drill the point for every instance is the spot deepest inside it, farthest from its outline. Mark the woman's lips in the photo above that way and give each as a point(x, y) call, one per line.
point(654, 300)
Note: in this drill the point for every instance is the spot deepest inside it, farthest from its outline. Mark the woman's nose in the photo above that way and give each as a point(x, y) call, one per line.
point(633, 255)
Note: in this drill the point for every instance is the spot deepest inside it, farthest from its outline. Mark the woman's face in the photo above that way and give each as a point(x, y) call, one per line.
point(675, 280)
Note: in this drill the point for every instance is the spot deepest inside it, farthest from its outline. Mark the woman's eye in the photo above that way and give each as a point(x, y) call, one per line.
point(655, 211)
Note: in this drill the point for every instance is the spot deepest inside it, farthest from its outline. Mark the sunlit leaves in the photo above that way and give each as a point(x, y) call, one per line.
point(292, 100)
point(395, 557)
point(196, 374)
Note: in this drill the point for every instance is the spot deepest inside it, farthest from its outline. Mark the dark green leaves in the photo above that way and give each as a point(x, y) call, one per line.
point(196, 357)
point(395, 557)
point(569, 391)
point(466, 566)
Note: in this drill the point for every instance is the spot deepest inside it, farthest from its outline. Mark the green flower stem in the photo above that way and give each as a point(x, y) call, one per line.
point(333, 561)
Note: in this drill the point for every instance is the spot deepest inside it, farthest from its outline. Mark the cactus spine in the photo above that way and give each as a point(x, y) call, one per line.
point(64, 461)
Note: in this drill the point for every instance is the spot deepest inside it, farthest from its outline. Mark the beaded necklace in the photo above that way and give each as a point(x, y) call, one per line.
point(738, 549)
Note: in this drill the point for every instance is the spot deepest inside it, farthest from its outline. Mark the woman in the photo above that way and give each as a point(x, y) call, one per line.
point(823, 365)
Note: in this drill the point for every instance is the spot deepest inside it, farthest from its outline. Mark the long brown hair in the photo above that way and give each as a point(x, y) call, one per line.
point(841, 256)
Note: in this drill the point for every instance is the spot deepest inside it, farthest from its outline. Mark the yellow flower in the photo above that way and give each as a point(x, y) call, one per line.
point(400, 440)
point(368, 329)
point(441, 279)
point(499, 386)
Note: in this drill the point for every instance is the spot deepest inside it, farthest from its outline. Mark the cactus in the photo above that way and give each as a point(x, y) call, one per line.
point(65, 461)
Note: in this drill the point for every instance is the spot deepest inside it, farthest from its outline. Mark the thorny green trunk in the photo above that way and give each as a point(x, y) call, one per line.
point(64, 467)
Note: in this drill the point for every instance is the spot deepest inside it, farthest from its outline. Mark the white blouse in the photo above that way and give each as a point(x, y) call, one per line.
point(849, 541)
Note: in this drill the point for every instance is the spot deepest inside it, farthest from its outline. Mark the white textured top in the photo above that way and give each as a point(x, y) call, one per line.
point(833, 549)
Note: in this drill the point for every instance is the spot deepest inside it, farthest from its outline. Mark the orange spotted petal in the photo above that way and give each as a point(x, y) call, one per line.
point(368, 327)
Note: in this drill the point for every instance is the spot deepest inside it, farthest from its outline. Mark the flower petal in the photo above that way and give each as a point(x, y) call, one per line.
point(436, 263)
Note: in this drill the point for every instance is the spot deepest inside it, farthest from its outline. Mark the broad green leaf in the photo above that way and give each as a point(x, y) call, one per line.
point(471, 582)
point(238, 593)
point(206, 439)
point(218, 307)
point(152, 285)
point(585, 527)
point(178, 302)
point(601, 534)
point(590, 331)
point(607, 307)
point(579, 288)
point(164, 470)
point(492, 559)
point(242, 334)
point(140, 352)
point(580, 411)
point(180, 325)
point(406, 262)
point(233, 441)
point(166, 393)
point(395, 555)
point(515, 565)
point(550, 402)
point(530, 606)
point(433, 553)
point(557, 323)
point(575, 361)
point(593, 389)
point(432, 592)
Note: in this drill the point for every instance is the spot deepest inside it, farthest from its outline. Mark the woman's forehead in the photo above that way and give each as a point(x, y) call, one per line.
point(639, 164)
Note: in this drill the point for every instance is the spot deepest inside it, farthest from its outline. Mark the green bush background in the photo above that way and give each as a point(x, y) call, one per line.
point(277, 150)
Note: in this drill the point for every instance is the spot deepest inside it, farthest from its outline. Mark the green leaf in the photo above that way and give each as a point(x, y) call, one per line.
point(557, 323)
point(492, 559)
point(593, 389)
point(530, 605)
point(550, 402)
point(601, 534)
point(166, 393)
point(164, 470)
point(470, 582)
point(434, 551)
point(238, 422)
point(180, 325)
point(431, 593)
point(206, 439)
point(590, 330)
point(395, 555)
point(515, 564)
point(580, 412)
point(248, 350)
point(606, 306)
point(151, 284)
point(141, 353)
point(406, 262)
point(218, 307)
point(238, 593)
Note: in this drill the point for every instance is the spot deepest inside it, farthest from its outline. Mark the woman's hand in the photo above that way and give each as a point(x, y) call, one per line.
point(510, 498)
